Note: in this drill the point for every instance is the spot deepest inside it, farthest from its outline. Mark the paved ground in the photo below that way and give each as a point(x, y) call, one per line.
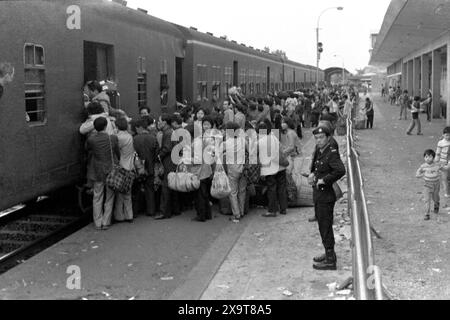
point(272, 260)
point(145, 260)
point(179, 259)
point(413, 254)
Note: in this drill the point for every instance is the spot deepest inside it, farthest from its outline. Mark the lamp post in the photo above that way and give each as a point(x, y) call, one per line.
point(317, 42)
point(343, 67)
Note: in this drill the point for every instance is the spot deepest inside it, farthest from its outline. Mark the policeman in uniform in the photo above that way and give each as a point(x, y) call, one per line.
point(326, 169)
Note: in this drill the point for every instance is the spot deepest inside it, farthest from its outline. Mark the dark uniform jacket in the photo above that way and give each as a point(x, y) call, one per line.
point(329, 167)
point(99, 145)
point(146, 146)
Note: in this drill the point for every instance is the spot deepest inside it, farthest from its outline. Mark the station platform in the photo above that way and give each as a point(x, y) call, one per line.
point(177, 259)
point(413, 254)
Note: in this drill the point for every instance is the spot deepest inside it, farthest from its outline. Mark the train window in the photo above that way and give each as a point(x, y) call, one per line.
point(202, 82)
point(34, 75)
point(216, 83)
point(164, 83)
point(228, 78)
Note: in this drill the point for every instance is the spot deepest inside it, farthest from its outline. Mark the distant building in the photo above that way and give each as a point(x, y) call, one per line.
point(413, 44)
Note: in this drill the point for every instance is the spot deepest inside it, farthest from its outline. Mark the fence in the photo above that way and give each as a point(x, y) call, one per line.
point(366, 275)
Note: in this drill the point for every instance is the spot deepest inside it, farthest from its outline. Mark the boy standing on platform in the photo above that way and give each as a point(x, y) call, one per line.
point(430, 171)
point(442, 153)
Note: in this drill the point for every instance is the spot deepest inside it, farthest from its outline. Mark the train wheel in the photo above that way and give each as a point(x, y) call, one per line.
point(84, 199)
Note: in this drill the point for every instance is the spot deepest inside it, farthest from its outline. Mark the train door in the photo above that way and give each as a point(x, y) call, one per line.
point(268, 79)
point(235, 73)
point(98, 61)
point(179, 79)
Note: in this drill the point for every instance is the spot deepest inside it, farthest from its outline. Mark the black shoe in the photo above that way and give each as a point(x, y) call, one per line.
point(198, 219)
point(320, 258)
point(312, 219)
point(129, 220)
point(160, 217)
point(283, 213)
point(329, 263)
point(436, 208)
point(427, 217)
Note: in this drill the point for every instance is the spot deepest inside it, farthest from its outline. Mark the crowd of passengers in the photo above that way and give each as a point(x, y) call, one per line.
point(112, 137)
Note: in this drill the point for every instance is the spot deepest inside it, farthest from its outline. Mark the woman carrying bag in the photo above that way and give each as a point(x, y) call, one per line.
point(202, 169)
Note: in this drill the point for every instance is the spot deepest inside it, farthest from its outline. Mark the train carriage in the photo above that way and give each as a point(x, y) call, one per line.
point(54, 47)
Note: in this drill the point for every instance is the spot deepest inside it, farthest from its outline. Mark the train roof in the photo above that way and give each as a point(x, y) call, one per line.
point(114, 12)
point(209, 38)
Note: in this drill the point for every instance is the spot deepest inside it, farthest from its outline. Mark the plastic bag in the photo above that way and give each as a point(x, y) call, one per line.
point(220, 187)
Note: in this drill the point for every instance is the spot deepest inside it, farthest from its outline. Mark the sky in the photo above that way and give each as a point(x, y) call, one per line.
point(288, 25)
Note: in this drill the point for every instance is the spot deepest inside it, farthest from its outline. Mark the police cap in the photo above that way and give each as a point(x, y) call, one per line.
point(320, 130)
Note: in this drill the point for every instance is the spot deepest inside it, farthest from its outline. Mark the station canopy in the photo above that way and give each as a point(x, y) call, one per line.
point(408, 26)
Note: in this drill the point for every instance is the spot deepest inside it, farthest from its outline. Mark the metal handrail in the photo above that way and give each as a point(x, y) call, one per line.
point(366, 275)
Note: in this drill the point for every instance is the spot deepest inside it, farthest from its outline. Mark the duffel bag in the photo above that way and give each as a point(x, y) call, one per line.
point(120, 179)
point(183, 181)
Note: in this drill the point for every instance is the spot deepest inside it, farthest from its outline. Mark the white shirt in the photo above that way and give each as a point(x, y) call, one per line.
point(269, 148)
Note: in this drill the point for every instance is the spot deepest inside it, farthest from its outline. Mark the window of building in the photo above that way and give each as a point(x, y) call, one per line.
point(34, 61)
point(142, 83)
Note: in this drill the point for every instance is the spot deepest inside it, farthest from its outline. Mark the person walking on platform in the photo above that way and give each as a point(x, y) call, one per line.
point(430, 171)
point(105, 152)
point(369, 113)
point(326, 169)
point(404, 104)
point(415, 108)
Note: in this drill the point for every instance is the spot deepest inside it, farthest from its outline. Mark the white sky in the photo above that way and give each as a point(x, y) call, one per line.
point(288, 25)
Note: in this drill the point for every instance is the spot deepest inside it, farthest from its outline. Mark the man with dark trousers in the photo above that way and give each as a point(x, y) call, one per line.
point(326, 169)
point(146, 147)
point(169, 201)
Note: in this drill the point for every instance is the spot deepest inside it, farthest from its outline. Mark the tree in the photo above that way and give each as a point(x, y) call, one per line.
point(267, 49)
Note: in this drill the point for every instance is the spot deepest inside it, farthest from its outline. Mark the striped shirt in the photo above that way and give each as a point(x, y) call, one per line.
point(442, 152)
point(429, 172)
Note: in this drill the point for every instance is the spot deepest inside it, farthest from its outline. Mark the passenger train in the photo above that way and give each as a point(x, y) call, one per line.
point(51, 48)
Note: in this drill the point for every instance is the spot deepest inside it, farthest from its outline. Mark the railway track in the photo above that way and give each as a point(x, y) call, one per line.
point(28, 231)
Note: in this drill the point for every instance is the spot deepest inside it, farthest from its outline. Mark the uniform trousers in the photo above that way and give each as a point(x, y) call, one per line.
point(324, 216)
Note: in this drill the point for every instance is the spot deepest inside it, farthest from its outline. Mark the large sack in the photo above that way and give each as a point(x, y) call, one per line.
point(183, 181)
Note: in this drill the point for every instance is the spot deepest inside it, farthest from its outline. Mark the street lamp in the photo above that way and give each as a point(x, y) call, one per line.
point(343, 67)
point(317, 42)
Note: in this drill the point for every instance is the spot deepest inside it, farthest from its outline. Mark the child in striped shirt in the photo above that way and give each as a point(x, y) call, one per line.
point(430, 171)
point(442, 154)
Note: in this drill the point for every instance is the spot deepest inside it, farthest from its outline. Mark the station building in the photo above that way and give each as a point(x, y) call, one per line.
point(413, 44)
